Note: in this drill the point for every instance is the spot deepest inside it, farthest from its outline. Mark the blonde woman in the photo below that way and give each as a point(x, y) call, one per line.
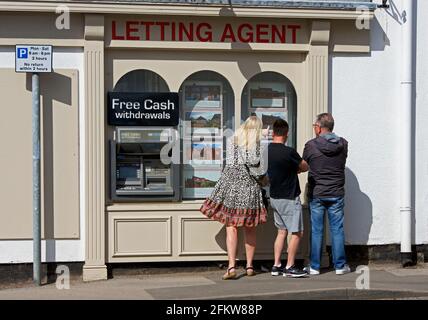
point(237, 199)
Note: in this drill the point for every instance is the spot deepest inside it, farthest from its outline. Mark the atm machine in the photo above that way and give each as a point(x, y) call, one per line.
point(137, 170)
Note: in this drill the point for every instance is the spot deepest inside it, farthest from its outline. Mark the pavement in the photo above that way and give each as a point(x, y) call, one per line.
point(380, 282)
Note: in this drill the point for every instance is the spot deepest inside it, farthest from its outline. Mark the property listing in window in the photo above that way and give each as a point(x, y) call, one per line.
point(202, 137)
point(268, 101)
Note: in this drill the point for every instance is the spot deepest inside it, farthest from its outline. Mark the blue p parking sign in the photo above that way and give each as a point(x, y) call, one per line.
point(22, 53)
point(33, 58)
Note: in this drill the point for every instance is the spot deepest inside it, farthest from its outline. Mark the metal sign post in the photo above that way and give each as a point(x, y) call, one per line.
point(35, 59)
point(37, 250)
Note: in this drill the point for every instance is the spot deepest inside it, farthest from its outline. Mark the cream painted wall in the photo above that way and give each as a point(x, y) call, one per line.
point(20, 251)
point(365, 101)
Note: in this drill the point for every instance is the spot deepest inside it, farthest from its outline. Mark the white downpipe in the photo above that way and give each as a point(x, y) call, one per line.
point(406, 126)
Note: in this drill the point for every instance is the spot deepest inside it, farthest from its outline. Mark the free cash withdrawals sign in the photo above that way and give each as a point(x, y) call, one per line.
point(32, 58)
point(143, 109)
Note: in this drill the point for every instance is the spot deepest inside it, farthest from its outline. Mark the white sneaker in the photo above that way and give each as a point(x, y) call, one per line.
point(346, 269)
point(311, 271)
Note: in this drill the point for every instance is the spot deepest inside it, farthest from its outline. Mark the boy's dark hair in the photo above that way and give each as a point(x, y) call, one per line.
point(280, 127)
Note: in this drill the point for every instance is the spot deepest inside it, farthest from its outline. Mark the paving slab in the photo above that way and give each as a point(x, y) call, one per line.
point(384, 283)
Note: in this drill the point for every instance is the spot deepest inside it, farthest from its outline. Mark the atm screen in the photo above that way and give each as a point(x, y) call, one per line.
point(129, 172)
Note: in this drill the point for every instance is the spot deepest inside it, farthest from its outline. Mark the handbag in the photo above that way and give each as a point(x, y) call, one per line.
point(265, 198)
point(262, 182)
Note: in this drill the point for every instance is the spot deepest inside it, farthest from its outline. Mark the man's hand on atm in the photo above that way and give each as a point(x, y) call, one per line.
point(265, 132)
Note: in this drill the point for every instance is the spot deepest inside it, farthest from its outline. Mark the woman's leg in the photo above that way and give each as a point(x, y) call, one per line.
point(250, 244)
point(232, 244)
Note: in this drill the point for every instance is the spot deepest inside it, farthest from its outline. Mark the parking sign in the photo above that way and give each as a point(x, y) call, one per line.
point(32, 58)
point(22, 53)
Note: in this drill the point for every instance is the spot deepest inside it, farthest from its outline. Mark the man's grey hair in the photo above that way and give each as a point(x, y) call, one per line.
point(325, 120)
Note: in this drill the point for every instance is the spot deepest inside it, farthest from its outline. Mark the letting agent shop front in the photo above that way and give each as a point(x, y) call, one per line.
point(197, 71)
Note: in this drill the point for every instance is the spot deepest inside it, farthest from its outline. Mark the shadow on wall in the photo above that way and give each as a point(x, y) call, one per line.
point(379, 30)
point(247, 67)
point(60, 91)
point(358, 211)
point(227, 11)
point(220, 238)
point(378, 36)
point(358, 214)
point(394, 12)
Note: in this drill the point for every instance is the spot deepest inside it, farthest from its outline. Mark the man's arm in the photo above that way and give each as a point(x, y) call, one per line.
point(303, 167)
point(346, 148)
point(306, 152)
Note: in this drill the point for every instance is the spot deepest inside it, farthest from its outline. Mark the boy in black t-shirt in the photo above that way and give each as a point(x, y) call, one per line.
point(284, 165)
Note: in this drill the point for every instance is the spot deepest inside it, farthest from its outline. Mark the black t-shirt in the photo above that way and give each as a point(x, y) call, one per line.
point(282, 170)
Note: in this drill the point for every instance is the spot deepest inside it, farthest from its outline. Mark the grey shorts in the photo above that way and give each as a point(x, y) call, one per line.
point(287, 214)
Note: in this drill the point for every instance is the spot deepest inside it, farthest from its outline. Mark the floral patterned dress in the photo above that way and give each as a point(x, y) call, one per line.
point(237, 197)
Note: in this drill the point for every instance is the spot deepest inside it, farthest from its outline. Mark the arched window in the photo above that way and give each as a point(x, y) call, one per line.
point(207, 110)
point(270, 96)
point(141, 81)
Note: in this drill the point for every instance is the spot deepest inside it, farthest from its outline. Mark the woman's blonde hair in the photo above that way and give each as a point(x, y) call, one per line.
point(249, 133)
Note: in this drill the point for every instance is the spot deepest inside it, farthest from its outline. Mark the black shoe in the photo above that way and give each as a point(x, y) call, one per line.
point(276, 271)
point(294, 272)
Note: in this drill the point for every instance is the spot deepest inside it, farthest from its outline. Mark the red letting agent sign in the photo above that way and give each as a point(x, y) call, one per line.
point(204, 32)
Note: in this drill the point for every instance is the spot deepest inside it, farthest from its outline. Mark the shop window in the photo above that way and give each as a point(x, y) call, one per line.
point(141, 81)
point(270, 96)
point(207, 110)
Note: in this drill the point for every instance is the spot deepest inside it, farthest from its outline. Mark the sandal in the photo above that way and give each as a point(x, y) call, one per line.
point(230, 275)
point(250, 271)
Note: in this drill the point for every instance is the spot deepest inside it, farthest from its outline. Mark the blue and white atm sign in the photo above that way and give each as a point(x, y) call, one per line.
point(32, 58)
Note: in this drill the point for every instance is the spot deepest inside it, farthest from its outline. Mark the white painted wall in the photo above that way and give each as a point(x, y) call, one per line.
point(365, 102)
point(20, 251)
